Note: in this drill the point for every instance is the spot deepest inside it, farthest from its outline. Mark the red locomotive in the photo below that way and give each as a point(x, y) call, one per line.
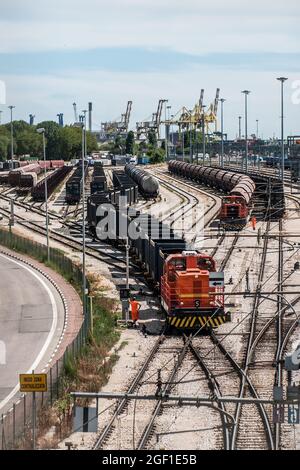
point(192, 291)
point(236, 206)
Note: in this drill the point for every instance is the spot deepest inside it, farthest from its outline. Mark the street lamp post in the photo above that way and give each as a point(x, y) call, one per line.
point(240, 127)
point(246, 93)
point(167, 130)
point(82, 125)
point(84, 147)
point(42, 131)
point(11, 133)
point(257, 121)
point(282, 80)
point(203, 134)
point(222, 100)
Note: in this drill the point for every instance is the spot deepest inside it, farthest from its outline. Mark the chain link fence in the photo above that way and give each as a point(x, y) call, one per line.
point(16, 424)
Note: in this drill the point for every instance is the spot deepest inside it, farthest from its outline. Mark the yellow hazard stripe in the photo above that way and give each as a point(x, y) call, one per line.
point(188, 321)
point(193, 321)
point(177, 323)
point(182, 323)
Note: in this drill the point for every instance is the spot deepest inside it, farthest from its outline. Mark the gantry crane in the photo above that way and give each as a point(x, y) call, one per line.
point(211, 115)
point(143, 127)
point(119, 126)
point(194, 118)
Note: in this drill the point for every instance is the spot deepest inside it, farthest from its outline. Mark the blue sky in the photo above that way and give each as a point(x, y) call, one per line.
point(108, 52)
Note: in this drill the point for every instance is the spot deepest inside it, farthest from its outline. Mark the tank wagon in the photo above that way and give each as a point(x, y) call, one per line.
point(53, 180)
point(190, 288)
point(98, 182)
point(236, 205)
point(75, 183)
point(148, 185)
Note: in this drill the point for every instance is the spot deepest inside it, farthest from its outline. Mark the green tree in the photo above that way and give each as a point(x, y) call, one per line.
point(4, 146)
point(52, 134)
point(152, 139)
point(29, 142)
point(118, 147)
point(157, 156)
point(129, 145)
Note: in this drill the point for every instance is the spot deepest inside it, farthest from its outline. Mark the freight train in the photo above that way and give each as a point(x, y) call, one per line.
point(52, 181)
point(148, 185)
point(190, 288)
point(235, 209)
point(98, 182)
point(75, 184)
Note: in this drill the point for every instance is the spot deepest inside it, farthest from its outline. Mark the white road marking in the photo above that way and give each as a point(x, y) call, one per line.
point(51, 332)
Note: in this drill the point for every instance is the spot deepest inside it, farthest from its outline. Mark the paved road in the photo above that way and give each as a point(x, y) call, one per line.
point(31, 322)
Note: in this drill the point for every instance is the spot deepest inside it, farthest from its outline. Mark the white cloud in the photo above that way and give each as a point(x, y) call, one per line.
point(191, 26)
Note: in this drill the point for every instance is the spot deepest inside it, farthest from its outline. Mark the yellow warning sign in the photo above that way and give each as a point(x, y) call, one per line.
point(33, 382)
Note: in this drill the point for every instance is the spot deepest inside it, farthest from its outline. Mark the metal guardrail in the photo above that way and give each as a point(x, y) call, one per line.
point(15, 425)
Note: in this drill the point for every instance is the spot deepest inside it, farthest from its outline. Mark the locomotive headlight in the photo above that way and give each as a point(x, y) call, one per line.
point(181, 303)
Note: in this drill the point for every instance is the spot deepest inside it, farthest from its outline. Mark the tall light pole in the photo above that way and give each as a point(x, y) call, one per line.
point(84, 147)
point(82, 125)
point(167, 131)
point(85, 137)
point(203, 135)
point(222, 101)
point(172, 137)
point(257, 121)
point(41, 130)
point(246, 93)
point(282, 80)
point(240, 127)
point(11, 133)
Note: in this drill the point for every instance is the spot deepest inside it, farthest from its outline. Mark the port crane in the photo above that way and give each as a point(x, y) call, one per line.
point(143, 127)
point(118, 126)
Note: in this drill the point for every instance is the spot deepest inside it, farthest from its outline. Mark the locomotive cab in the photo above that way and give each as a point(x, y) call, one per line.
point(234, 210)
point(192, 291)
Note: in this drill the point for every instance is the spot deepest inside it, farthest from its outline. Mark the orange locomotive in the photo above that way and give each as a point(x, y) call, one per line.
point(192, 291)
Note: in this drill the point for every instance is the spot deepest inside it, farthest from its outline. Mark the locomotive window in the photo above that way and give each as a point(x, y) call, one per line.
point(179, 264)
point(205, 263)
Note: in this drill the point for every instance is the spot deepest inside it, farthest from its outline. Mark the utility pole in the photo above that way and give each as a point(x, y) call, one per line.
point(240, 127)
point(282, 80)
point(11, 133)
point(42, 131)
point(246, 93)
point(203, 135)
point(167, 131)
point(83, 214)
point(222, 100)
point(257, 121)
